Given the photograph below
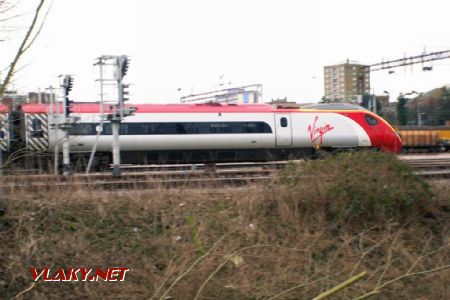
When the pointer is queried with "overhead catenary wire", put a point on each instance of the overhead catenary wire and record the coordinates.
(406, 61)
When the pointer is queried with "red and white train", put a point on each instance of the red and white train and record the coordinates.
(206, 132)
(174, 133)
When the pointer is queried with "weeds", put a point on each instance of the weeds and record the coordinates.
(322, 223)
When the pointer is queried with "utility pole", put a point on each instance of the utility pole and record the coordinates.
(419, 117)
(67, 87)
(54, 113)
(402, 110)
(374, 102)
(116, 119)
(100, 62)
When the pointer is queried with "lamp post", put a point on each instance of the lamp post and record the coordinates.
(388, 95)
(418, 113)
(382, 107)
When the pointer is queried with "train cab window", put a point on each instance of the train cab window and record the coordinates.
(371, 120)
(36, 125)
(36, 129)
(283, 122)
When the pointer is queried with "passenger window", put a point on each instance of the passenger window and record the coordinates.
(283, 122)
(371, 120)
(107, 129)
(2, 134)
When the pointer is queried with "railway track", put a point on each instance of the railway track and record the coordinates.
(153, 179)
(428, 166)
(196, 176)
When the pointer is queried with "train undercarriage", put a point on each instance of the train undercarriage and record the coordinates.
(45, 161)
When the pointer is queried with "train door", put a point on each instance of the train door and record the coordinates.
(283, 130)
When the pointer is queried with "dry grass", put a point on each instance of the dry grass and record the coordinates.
(320, 224)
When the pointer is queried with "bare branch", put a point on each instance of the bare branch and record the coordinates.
(366, 252)
(378, 289)
(15, 16)
(223, 264)
(341, 286)
(40, 28)
(23, 47)
(8, 8)
(426, 255)
(302, 286)
(193, 265)
(389, 258)
(25, 291)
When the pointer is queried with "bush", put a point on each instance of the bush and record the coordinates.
(357, 189)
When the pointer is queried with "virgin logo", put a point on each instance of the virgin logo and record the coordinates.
(316, 133)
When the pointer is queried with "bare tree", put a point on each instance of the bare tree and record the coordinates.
(32, 33)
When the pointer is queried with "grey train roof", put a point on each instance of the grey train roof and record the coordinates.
(333, 106)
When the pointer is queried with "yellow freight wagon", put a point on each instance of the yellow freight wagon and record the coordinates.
(425, 137)
(444, 135)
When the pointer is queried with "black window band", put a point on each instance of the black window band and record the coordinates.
(174, 128)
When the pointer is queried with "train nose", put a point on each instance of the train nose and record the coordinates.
(393, 142)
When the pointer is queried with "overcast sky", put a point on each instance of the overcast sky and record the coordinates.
(281, 44)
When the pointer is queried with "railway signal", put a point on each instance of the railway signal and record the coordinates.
(125, 92)
(68, 83)
(67, 86)
(123, 64)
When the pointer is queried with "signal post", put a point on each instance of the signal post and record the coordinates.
(67, 87)
(121, 65)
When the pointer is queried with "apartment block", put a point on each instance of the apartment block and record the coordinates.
(346, 82)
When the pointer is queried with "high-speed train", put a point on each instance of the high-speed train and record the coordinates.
(174, 133)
